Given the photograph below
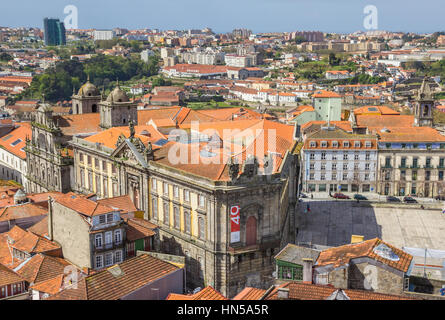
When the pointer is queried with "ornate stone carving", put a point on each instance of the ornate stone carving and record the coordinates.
(233, 168)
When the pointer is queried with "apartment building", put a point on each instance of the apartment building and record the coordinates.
(335, 160)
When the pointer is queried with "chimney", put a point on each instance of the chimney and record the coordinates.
(50, 218)
(307, 270)
(283, 293)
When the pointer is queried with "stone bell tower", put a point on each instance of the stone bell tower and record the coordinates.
(424, 106)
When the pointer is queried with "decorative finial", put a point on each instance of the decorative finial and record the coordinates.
(132, 131)
(117, 79)
(88, 77)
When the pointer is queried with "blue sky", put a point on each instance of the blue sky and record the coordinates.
(224, 15)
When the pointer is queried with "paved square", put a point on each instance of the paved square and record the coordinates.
(331, 223)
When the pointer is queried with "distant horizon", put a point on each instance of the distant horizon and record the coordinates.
(260, 16)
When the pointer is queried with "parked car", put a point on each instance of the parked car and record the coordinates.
(341, 196)
(392, 199)
(359, 197)
(409, 200)
(302, 195)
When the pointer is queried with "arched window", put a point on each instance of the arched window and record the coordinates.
(251, 227)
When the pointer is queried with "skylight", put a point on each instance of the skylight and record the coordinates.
(16, 142)
(7, 137)
(384, 251)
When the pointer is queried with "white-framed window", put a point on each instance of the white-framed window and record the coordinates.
(98, 240)
(176, 192)
(118, 256)
(109, 217)
(154, 184)
(334, 166)
(201, 201)
(366, 176)
(154, 203)
(368, 144)
(345, 156)
(108, 237)
(186, 195)
(334, 155)
(367, 166)
(357, 144)
(356, 156)
(312, 144)
(166, 213)
(108, 259)
(117, 236)
(311, 176)
(367, 156)
(345, 176)
(334, 176)
(323, 166)
(323, 156)
(355, 166)
(335, 144)
(312, 156)
(324, 144)
(177, 217)
(187, 217)
(345, 166)
(102, 218)
(201, 228)
(345, 144)
(99, 261)
(322, 176)
(311, 166)
(165, 188)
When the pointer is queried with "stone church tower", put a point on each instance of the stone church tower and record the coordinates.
(424, 106)
(87, 99)
(117, 110)
(48, 162)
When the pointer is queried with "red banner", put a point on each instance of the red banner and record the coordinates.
(235, 224)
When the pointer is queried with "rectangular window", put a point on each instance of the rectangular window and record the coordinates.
(109, 217)
(345, 176)
(322, 176)
(99, 262)
(356, 156)
(334, 176)
(334, 166)
(115, 191)
(440, 175)
(311, 176)
(357, 144)
(427, 175)
(201, 201)
(108, 259)
(324, 144)
(90, 181)
(312, 156)
(335, 144)
(367, 156)
(102, 219)
(177, 216)
(105, 183)
(104, 166)
(154, 208)
(345, 144)
(414, 175)
(311, 166)
(154, 184)
(415, 162)
(441, 162)
(345, 156)
(323, 166)
(108, 238)
(186, 195)
(97, 184)
(96, 163)
(201, 227)
(113, 169)
(176, 192)
(89, 160)
(334, 155)
(118, 236)
(323, 156)
(165, 188)
(345, 166)
(118, 256)
(166, 213)
(82, 178)
(366, 176)
(312, 144)
(368, 144)
(367, 165)
(187, 221)
(98, 240)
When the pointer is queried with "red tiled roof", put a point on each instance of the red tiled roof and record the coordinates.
(341, 255)
(250, 294)
(84, 206)
(208, 293)
(7, 276)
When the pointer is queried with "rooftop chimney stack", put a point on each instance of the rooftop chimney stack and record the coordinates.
(307, 270)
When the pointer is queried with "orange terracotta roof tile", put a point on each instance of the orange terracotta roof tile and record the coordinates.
(103, 285)
(325, 94)
(21, 211)
(208, 293)
(341, 255)
(42, 267)
(50, 286)
(7, 276)
(388, 121)
(307, 291)
(250, 294)
(84, 206)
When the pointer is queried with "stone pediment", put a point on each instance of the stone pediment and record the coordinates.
(131, 150)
